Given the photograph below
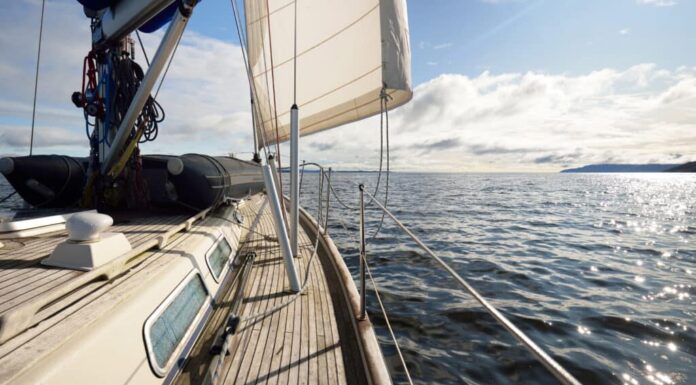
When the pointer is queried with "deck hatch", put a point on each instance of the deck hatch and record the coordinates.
(173, 322)
(218, 256)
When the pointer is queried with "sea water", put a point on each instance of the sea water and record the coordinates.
(598, 269)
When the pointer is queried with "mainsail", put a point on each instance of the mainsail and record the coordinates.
(344, 56)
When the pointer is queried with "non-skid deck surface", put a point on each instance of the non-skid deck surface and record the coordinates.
(302, 343)
(23, 278)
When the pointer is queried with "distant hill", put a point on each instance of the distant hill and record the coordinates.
(686, 167)
(607, 167)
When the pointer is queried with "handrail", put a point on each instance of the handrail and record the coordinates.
(552, 365)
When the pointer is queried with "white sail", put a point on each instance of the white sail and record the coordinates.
(348, 52)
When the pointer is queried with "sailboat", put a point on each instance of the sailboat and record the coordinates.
(136, 269)
(198, 269)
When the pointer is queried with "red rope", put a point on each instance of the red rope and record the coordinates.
(89, 80)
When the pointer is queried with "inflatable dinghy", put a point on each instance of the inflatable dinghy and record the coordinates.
(193, 180)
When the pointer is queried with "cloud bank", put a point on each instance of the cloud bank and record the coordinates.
(536, 121)
(658, 3)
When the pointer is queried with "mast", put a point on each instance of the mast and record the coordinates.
(294, 177)
(294, 148)
(167, 46)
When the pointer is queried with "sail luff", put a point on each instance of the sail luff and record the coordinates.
(349, 54)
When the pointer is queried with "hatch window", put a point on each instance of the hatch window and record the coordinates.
(218, 256)
(173, 322)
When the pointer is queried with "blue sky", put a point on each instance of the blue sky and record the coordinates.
(499, 85)
(557, 36)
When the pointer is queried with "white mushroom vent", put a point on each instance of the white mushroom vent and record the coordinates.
(88, 246)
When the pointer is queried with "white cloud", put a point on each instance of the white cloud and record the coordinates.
(443, 45)
(15, 136)
(658, 3)
(624, 31)
(532, 121)
(509, 121)
(205, 94)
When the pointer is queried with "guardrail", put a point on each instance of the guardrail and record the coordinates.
(552, 365)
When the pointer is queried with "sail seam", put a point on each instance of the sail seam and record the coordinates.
(330, 92)
(308, 127)
(356, 21)
(268, 13)
(346, 111)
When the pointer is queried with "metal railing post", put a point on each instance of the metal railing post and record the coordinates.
(281, 231)
(363, 311)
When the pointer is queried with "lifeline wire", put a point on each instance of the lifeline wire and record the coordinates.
(552, 365)
(386, 320)
(306, 276)
(36, 78)
(383, 114)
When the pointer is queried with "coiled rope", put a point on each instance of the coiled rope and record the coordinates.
(127, 77)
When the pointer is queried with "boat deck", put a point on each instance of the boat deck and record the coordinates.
(300, 343)
(23, 278)
(311, 340)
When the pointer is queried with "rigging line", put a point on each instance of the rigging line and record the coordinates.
(268, 94)
(265, 237)
(142, 47)
(10, 195)
(384, 113)
(386, 320)
(294, 62)
(381, 146)
(549, 363)
(36, 78)
(386, 187)
(252, 89)
(169, 63)
(268, 91)
(275, 102)
(307, 271)
(333, 190)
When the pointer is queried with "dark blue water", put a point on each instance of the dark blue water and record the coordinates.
(598, 269)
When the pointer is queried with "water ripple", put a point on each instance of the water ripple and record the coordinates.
(598, 269)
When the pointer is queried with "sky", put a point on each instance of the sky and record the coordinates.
(499, 86)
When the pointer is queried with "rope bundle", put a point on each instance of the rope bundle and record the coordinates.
(127, 75)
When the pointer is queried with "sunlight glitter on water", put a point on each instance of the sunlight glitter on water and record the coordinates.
(598, 269)
(598, 257)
